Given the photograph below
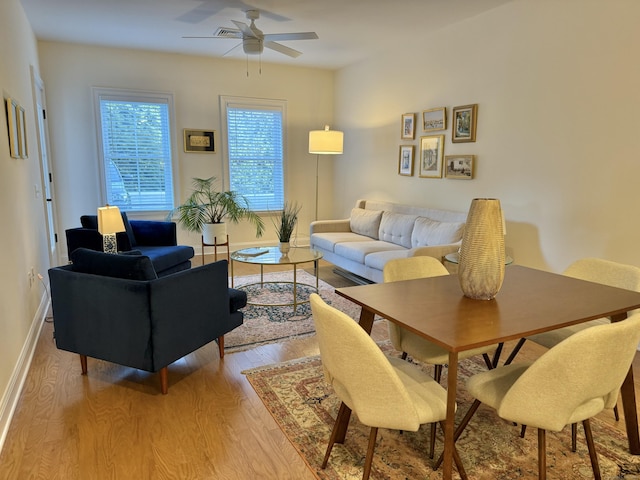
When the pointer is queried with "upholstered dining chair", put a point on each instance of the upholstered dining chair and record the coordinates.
(570, 383)
(384, 392)
(408, 342)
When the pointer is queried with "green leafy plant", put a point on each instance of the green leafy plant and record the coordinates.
(208, 205)
(285, 223)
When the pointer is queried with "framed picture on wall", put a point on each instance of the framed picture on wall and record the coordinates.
(22, 133)
(431, 151)
(463, 123)
(459, 166)
(434, 119)
(11, 107)
(199, 141)
(408, 126)
(405, 161)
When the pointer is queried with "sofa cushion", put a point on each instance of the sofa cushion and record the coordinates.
(365, 222)
(328, 241)
(129, 230)
(377, 260)
(396, 228)
(432, 232)
(165, 257)
(130, 267)
(357, 251)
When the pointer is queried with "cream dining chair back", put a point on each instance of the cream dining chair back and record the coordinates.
(570, 383)
(384, 392)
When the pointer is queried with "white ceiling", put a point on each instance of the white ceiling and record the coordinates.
(349, 30)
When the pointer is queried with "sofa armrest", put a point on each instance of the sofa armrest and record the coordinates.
(436, 251)
(154, 233)
(325, 226)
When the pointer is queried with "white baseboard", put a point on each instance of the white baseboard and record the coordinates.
(9, 401)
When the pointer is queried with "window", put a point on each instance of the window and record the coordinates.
(255, 150)
(134, 136)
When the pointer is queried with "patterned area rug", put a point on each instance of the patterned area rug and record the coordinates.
(297, 396)
(268, 324)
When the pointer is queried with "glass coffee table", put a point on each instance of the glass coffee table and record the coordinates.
(272, 256)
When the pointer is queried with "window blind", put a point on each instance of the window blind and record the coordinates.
(136, 153)
(255, 150)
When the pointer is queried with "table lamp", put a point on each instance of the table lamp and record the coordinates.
(324, 142)
(109, 223)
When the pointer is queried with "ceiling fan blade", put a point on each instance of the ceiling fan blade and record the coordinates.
(244, 28)
(278, 47)
(290, 36)
(231, 49)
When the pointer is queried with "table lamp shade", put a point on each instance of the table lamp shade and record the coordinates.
(325, 142)
(110, 220)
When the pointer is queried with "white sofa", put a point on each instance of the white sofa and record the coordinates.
(377, 232)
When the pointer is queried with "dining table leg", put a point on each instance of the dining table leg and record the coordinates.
(628, 394)
(452, 385)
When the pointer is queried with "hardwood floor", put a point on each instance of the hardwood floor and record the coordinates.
(114, 423)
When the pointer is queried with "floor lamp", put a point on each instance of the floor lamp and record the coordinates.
(324, 142)
(109, 223)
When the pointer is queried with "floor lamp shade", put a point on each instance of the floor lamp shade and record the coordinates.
(109, 223)
(324, 142)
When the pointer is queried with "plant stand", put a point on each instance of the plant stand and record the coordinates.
(215, 246)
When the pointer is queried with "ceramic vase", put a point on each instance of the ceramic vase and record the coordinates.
(284, 247)
(482, 255)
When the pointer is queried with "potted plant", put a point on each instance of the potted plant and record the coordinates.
(285, 223)
(206, 209)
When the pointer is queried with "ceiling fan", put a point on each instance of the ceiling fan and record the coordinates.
(254, 41)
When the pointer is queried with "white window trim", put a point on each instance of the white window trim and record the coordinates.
(135, 95)
(252, 102)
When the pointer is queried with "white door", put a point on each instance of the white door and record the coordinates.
(45, 166)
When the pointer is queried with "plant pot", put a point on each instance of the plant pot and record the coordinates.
(284, 247)
(213, 233)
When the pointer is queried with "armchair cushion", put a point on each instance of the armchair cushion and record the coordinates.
(131, 267)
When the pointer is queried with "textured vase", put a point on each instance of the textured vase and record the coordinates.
(481, 261)
(285, 247)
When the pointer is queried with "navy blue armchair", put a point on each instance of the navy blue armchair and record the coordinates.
(155, 239)
(115, 308)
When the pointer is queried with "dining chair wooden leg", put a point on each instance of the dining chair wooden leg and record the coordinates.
(404, 355)
(616, 412)
(574, 437)
(542, 454)
(523, 430)
(496, 355)
(487, 361)
(83, 364)
(370, 449)
(593, 456)
(220, 341)
(335, 432)
(437, 373)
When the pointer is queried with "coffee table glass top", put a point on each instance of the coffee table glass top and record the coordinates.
(273, 256)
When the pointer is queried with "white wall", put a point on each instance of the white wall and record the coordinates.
(557, 141)
(70, 71)
(23, 243)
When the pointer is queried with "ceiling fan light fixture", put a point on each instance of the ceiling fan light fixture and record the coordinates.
(252, 46)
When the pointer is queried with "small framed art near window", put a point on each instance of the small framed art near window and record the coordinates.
(408, 126)
(405, 161)
(459, 166)
(434, 119)
(199, 141)
(431, 151)
(463, 123)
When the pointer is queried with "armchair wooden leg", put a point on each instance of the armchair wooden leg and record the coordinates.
(164, 380)
(221, 345)
(593, 456)
(83, 364)
(370, 449)
(542, 454)
(338, 431)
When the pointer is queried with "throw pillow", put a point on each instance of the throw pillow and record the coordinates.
(130, 267)
(365, 222)
(432, 232)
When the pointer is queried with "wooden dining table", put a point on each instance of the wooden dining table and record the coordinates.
(530, 301)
